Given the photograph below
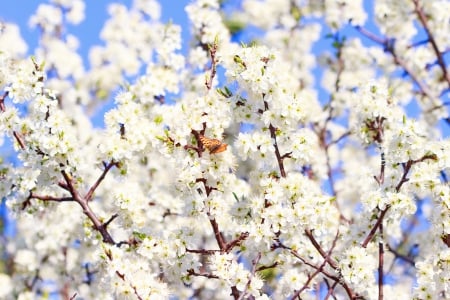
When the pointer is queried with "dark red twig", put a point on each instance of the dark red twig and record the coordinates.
(207, 275)
(91, 191)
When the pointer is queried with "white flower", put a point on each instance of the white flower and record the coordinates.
(26, 260)
(292, 280)
(11, 41)
(6, 284)
(357, 266)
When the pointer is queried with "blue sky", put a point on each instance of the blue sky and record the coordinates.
(88, 31)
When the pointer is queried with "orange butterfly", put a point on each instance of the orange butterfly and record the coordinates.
(213, 145)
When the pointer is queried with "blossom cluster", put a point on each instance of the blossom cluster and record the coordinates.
(253, 165)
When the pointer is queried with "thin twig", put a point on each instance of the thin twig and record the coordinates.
(388, 46)
(91, 191)
(2, 101)
(212, 52)
(218, 235)
(316, 245)
(347, 289)
(252, 274)
(311, 277)
(86, 209)
(440, 59)
(207, 275)
(229, 246)
(380, 264)
(375, 227)
(273, 135)
(50, 198)
(202, 251)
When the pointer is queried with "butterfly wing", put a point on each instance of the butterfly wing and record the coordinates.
(219, 148)
(213, 145)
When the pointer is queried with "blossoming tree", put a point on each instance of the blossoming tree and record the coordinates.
(269, 169)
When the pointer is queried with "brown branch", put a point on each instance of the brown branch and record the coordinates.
(322, 266)
(50, 198)
(110, 220)
(19, 140)
(252, 274)
(406, 168)
(287, 155)
(424, 89)
(122, 277)
(370, 35)
(91, 191)
(273, 135)
(330, 290)
(425, 157)
(63, 185)
(212, 52)
(380, 177)
(375, 227)
(202, 251)
(347, 289)
(218, 235)
(380, 264)
(2, 101)
(68, 185)
(316, 245)
(310, 278)
(229, 246)
(262, 268)
(440, 59)
(344, 135)
(199, 149)
(101, 228)
(235, 292)
(207, 275)
(387, 44)
(446, 239)
(322, 132)
(397, 254)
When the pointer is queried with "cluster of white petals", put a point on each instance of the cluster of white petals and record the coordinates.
(290, 153)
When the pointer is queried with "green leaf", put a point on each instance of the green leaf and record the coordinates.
(139, 235)
(234, 26)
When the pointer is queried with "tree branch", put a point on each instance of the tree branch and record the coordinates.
(380, 264)
(273, 135)
(91, 191)
(50, 198)
(423, 20)
(388, 46)
(212, 52)
(101, 228)
(252, 274)
(375, 227)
